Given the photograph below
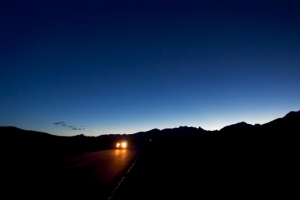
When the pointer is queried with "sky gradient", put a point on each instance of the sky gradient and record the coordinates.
(114, 67)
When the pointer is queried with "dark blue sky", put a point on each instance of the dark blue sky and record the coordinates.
(129, 66)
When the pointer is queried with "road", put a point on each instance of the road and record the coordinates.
(93, 175)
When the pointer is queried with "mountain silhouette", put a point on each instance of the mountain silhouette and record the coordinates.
(237, 126)
(266, 154)
(43, 143)
(293, 114)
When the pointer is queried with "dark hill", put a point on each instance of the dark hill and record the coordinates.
(11, 132)
(45, 146)
(180, 132)
(266, 154)
(38, 143)
(237, 127)
(293, 114)
(289, 122)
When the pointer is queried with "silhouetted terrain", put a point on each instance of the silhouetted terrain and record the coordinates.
(34, 142)
(233, 157)
(237, 162)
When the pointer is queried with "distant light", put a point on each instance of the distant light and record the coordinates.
(124, 144)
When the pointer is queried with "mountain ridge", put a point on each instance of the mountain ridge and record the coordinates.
(241, 135)
(232, 127)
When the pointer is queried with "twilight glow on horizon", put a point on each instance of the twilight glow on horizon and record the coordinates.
(115, 67)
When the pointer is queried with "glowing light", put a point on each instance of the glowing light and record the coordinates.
(122, 144)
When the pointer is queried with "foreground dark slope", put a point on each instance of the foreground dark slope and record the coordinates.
(237, 162)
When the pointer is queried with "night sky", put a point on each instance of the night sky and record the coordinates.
(114, 67)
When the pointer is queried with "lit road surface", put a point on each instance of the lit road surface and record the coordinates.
(93, 175)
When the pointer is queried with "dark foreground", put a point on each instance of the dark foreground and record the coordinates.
(195, 167)
(90, 175)
(238, 161)
(191, 169)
